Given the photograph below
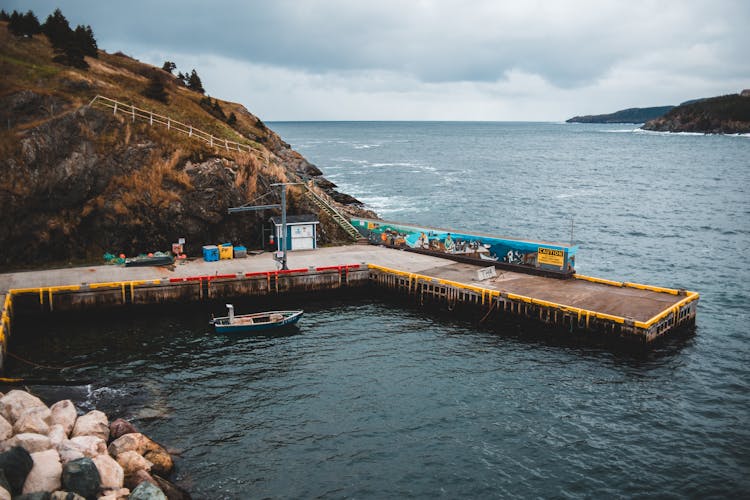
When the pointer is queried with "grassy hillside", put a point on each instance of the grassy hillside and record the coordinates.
(78, 180)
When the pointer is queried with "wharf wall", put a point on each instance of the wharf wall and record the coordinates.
(488, 303)
(482, 303)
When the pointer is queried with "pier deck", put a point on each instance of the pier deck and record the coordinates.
(589, 304)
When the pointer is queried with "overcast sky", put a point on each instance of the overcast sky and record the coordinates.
(432, 59)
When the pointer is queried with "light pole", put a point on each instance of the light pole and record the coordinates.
(282, 206)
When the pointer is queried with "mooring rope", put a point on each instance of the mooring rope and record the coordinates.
(46, 367)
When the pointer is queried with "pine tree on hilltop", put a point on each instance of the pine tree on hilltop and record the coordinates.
(57, 29)
(169, 67)
(194, 83)
(84, 38)
(4, 16)
(70, 46)
(24, 24)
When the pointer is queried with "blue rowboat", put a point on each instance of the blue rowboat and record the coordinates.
(254, 322)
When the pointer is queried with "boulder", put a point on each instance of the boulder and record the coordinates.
(33, 420)
(110, 472)
(65, 495)
(147, 491)
(64, 413)
(16, 463)
(82, 477)
(134, 480)
(131, 462)
(29, 441)
(6, 429)
(161, 460)
(94, 423)
(45, 474)
(13, 404)
(81, 446)
(171, 490)
(56, 435)
(118, 494)
(132, 442)
(39, 495)
(121, 427)
(4, 486)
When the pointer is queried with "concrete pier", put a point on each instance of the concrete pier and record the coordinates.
(624, 310)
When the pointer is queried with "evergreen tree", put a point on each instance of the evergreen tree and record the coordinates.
(169, 67)
(156, 89)
(194, 83)
(84, 38)
(57, 29)
(182, 79)
(232, 118)
(24, 24)
(4, 16)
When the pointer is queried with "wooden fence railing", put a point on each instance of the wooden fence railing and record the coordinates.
(189, 130)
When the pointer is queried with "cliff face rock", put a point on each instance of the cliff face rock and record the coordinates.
(729, 114)
(79, 180)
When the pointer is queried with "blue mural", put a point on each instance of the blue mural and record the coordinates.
(542, 255)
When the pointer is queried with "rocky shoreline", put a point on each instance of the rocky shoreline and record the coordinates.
(55, 453)
(728, 114)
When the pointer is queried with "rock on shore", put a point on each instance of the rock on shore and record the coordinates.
(53, 452)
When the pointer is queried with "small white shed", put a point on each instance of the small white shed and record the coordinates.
(302, 232)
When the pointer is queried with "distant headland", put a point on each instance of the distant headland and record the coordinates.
(630, 115)
(727, 114)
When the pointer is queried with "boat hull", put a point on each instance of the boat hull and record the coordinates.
(251, 323)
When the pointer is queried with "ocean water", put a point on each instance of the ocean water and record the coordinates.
(367, 399)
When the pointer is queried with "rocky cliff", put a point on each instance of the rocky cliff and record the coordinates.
(79, 180)
(728, 114)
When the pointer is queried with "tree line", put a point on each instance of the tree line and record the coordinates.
(70, 45)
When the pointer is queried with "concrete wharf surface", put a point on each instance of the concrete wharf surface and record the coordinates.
(617, 310)
(638, 304)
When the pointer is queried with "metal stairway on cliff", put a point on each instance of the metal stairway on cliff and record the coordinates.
(323, 204)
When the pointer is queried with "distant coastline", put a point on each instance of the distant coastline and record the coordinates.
(630, 115)
(727, 114)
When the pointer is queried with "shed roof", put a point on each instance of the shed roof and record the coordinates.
(296, 219)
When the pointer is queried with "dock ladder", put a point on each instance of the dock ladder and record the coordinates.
(324, 205)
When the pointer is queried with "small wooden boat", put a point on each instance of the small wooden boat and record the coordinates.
(254, 322)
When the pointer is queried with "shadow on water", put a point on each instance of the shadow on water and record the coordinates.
(530, 333)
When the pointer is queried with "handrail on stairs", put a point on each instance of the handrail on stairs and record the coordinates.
(342, 221)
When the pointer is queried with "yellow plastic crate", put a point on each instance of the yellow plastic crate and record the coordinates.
(225, 252)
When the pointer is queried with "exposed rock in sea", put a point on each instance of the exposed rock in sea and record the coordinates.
(76, 463)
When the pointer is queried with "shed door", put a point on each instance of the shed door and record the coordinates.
(303, 237)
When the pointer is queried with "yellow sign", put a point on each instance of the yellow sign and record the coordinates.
(550, 256)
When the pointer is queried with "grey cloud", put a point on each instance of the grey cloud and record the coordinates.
(569, 44)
